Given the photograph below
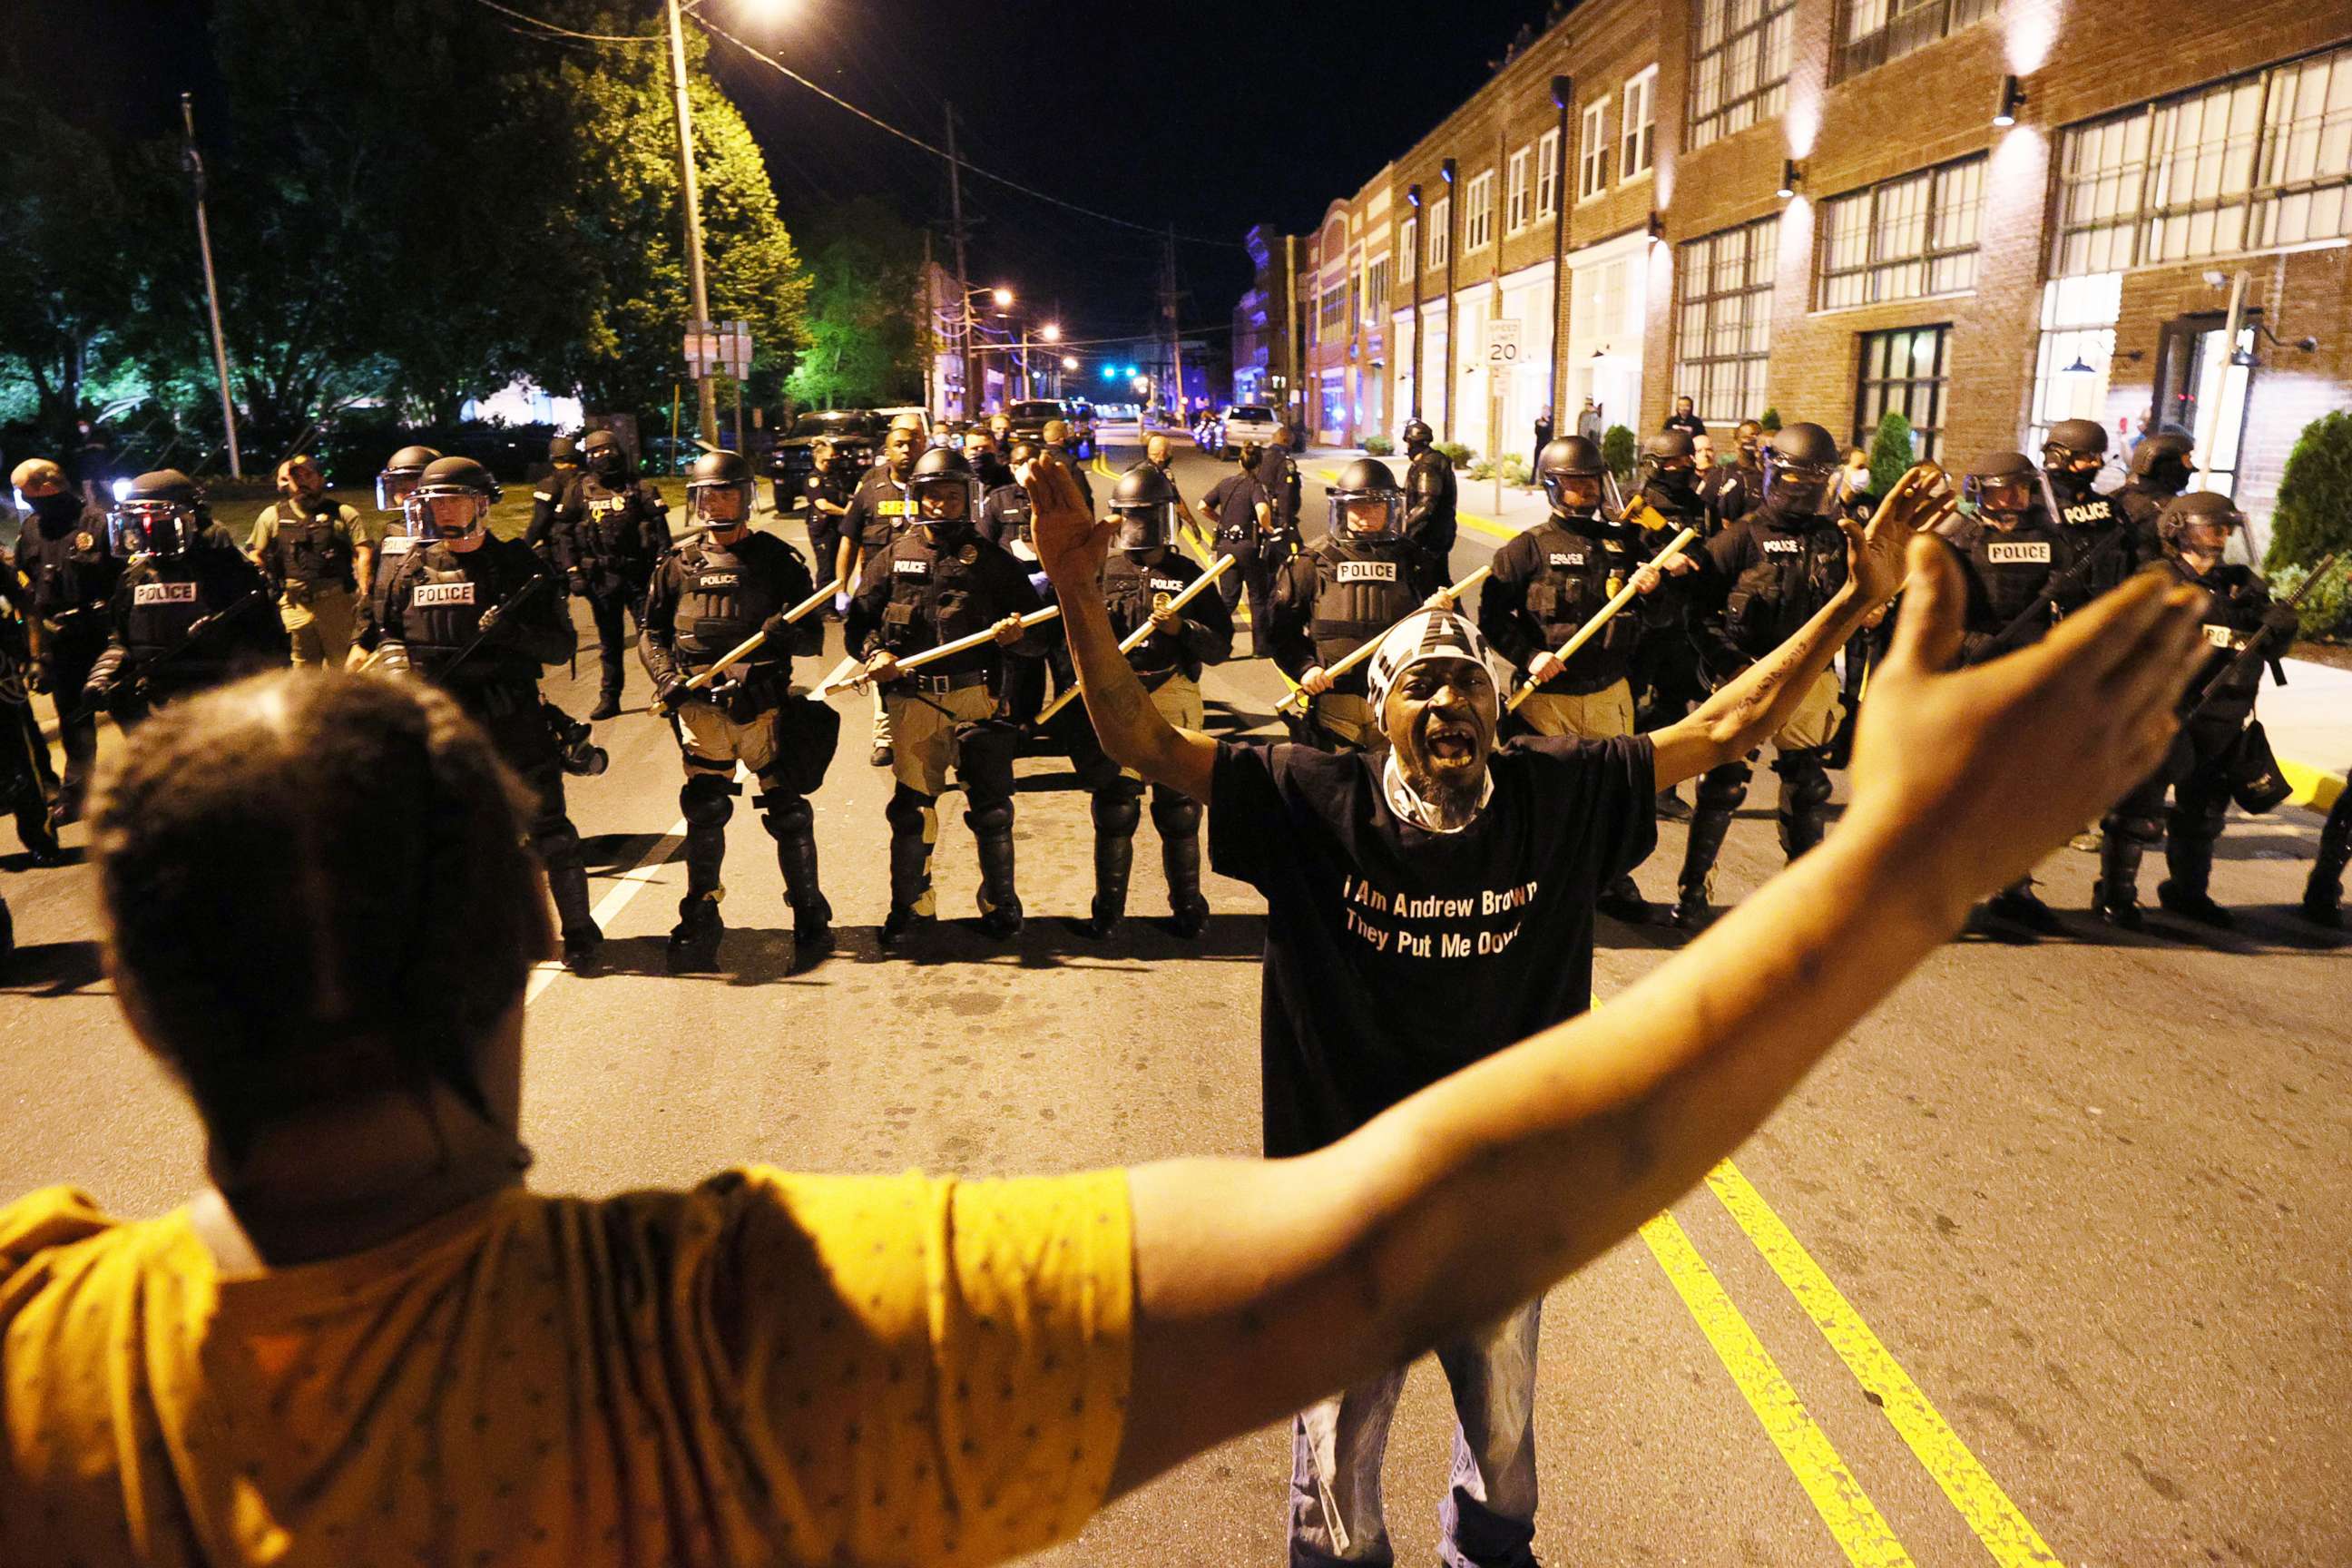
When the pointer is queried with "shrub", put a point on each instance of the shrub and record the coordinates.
(1456, 453)
(2326, 615)
(1514, 469)
(1621, 452)
(1771, 420)
(1890, 451)
(1378, 446)
(2314, 515)
(1481, 471)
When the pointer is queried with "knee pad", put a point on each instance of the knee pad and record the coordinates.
(783, 813)
(2141, 828)
(992, 819)
(1175, 813)
(2198, 819)
(1724, 788)
(1804, 782)
(708, 800)
(910, 812)
(1117, 809)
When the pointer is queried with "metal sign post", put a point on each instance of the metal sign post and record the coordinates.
(1502, 357)
(721, 347)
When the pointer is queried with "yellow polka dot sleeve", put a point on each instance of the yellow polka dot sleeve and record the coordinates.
(932, 1370)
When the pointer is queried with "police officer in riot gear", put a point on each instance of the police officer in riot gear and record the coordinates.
(2159, 470)
(479, 617)
(189, 611)
(709, 595)
(1343, 591)
(2009, 554)
(25, 779)
(1761, 579)
(881, 508)
(1004, 518)
(933, 584)
(64, 574)
(1546, 584)
(1666, 680)
(1142, 578)
(549, 497)
(609, 528)
(393, 483)
(1237, 509)
(1430, 496)
(2215, 755)
(317, 556)
(2072, 457)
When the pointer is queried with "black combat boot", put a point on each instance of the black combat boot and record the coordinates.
(2021, 905)
(608, 706)
(1180, 858)
(910, 865)
(568, 884)
(2190, 861)
(694, 940)
(1114, 862)
(1622, 900)
(36, 829)
(1000, 906)
(1708, 829)
(812, 915)
(2114, 897)
(2323, 896)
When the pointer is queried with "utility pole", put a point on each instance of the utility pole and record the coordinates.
(698, 292)
(1412, 196)
(930, 346)
(1563, 93)
(1453, 231)
(1175, 334)
(196, 168)
(973, 393)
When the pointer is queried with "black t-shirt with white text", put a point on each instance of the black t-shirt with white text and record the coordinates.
(1395, 956)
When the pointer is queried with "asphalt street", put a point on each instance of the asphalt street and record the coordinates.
(2048, 1263)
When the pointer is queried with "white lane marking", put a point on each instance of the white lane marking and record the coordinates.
(615, 901)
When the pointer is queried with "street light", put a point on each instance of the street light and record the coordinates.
(1051, 332)
(1002, 295)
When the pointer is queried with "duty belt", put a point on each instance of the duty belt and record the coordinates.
(951, 682)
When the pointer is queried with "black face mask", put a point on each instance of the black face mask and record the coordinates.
(2069, 483)
(947, 532)
(608, 464)
(62, 507)
(1675, 481)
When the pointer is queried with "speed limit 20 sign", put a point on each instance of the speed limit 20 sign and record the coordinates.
(1502, 343)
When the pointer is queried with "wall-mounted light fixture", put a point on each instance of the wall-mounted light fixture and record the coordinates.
(1447, 168)
(1657, 225)
(2012, 98)
(1791, 175)
(1412, 196)
(1563, 92)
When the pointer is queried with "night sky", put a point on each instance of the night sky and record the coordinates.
(1210, 117)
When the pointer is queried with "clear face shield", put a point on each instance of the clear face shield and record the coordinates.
(2008, 498)
(1577, 495)
(150, 527)
(446, 511)
(1805, 489)
(392, 486)
(943, 504)
(1366, 514)
(1150, 526)
(723, 506)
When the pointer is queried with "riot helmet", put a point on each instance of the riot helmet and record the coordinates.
(1366, 500)
(400, 471)
(945, 495)
(1672, 462)
(563, 450)
(1804, 474)
(2199, 523)
(2000, 487)
(160, 514)
(1144, 502)
(452, 500)
(1569, 469)
(2072, 442)
(605, 456)
(715, 476)
(2161, 463)
(1417, 436)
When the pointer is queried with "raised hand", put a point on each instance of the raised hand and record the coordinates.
(1985, 770)
(1070, 544)
(1921, 499)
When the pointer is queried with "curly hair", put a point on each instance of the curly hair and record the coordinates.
(317, 888)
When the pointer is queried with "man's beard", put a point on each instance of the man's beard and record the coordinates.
(1452, 797)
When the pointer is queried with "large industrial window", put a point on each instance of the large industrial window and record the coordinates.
(1723, 318)
(1740, 65)
(2255, 163)
(1873, 32)
(1901, 238)
(1906, 372)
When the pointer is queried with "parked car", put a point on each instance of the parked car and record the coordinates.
(1030, 416)
(930, 430)
(1243, 424)
(856, 437)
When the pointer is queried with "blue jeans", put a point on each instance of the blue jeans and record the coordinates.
(1489, 1517)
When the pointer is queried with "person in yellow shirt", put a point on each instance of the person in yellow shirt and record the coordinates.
(368, 1341)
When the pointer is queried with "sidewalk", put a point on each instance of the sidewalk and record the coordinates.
(2309, 718)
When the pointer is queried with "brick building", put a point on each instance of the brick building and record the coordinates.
(1987, 215)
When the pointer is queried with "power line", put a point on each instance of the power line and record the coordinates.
(715, 30)
(566, 31)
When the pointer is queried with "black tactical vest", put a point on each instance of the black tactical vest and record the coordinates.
(389, 557)
(442, 595)
(2011, 568)
(1362, 587)
(310, 550)
(1578, 571)
(167, 594)
(2092, 518)
(723, 597)
(1011, 503)
(609, 528)
(1131, 590)
(1790, 574)
(2224, 688)
(67, 564)
(935, 595)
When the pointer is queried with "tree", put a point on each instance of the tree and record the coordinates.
(1890, 451)
(1770, 421)
(2313, 517)
(1621, 452)
(866, 318)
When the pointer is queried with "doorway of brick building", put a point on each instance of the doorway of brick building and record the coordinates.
(2201, 392)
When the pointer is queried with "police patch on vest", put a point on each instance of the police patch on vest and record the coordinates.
(718, 580)
(1365, 571)
(164, 594)
(2018, 553)
(1781, 546)
(1562, 558)
(2222, 636)
(2089, 513)
(1169, 586)
(911, 568)
(397, 543)
(444, 593)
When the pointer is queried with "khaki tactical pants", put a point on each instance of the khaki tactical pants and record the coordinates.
(715, 743)
(1349, 720)
(924, 726)
(1592, 716)
(1816, 718)
(320, 622)
(1178, 701)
